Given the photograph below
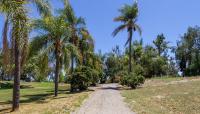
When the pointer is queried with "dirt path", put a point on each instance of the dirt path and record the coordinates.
(105, 100)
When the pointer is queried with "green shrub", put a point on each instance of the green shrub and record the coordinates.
(123, 77)
(94, 77)
(132, 80)
(138, 70)
(135, 80)
(79, 81)
(83, 77)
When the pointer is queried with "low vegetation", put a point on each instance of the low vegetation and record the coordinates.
(38, 98)
(165, 96)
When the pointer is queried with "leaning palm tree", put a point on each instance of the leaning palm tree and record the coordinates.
(128, 17)
(17, 18)
(57, 33)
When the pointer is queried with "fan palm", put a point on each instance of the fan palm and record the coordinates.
(16, 13)
(128, 17)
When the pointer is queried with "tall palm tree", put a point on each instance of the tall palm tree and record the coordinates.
(128, 17)
(16, 13)
(86, 45)
(76, 24)
(57, 34)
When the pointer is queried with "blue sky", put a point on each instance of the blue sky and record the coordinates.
(171, 17)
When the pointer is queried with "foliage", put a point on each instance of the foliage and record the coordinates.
(113, 64)
(132, 80)
(187, 52)
(128, 16)
(80, 79)
(160, 44)
(83, 77)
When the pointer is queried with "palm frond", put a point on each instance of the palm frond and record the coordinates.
(127, 42)
(43, 7)
(81, 22)
(137, 28)
(120, 18)
(46, 50)
(36, 44)
(118, 29)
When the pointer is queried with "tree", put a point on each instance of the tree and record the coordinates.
(129, 14)
(86, 45)
(16, 14)
(187, 52)
(36, 66)
(57, 35)
(114, 64)
(161, 44)
(76, 24)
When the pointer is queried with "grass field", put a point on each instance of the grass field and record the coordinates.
(166, 96)
(38, 98)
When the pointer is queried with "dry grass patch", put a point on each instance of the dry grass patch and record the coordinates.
(170, 96)
(40, 100)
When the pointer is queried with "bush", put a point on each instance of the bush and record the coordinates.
(132, 80)
(135, 80)
(138, 70)
(79, 81)
(83, 77)
(123, 77)
(94, 77)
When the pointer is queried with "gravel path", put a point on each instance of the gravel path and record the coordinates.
(105, 100)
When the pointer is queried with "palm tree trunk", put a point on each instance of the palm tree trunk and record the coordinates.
(72, 63)
(130, 50)
(57, 54)
(16, 86)
(5, 50)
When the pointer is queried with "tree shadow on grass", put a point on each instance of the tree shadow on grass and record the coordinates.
(37, 98)
(5, 110)
(9, 85)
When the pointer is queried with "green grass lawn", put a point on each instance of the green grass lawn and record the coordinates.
(38, 98)
(165, 96)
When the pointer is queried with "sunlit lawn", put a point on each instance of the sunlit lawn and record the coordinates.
(38, 98)
(166, 96)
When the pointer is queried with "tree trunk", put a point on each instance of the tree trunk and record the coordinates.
(72, 63)
(130, 49)
(159, 52)
(16, 86)
(57, 54)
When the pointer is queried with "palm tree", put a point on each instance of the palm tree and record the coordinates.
(128, 17)
(86, 45)
(16, 13)
(76, 25)
(57, 34)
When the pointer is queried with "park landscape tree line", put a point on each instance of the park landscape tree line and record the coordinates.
(64, 50)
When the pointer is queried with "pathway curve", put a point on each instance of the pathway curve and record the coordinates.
(105, 100)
